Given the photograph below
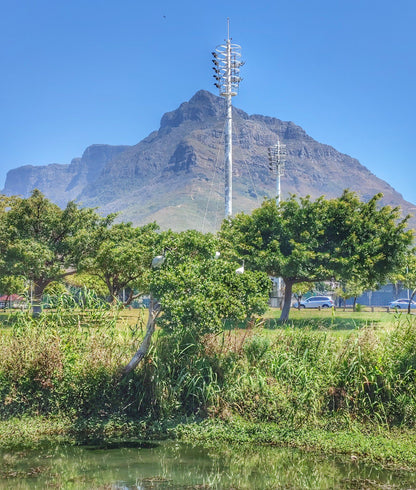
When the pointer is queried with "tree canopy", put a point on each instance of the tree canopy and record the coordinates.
(197, 292)
(407, 275)
(41, 242)
(305, 240)
(121, 257)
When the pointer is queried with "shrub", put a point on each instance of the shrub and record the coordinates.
(67, 362)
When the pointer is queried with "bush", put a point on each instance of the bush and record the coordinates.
(68, 362)
(65, 360)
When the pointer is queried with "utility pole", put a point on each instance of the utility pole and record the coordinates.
(227, 63)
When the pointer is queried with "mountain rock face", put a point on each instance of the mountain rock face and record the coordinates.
(59, 182)
(176, 175)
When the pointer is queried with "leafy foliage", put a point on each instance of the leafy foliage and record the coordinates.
(121, 257)
(199, 292)
(352, 289)
(302, 240)
(407, 275)
(41, 242)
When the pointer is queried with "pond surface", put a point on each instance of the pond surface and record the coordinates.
(173, 465)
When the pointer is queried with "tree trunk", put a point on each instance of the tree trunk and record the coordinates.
(38, 289)
(354, 304)
(129, 299)
(154, 310)
(410, 301)
(111, 290)
(284, 317)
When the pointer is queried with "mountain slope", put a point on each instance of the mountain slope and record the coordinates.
(175, 175)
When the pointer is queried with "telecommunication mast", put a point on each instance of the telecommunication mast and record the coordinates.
(227, 63)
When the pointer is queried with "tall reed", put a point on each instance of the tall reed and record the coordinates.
(68, 361)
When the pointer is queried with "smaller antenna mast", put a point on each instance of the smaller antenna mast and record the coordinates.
(277, 154)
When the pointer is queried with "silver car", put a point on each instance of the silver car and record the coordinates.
(317, 301)
(402, 304)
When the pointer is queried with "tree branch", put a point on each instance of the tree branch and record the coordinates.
(132, 297)
(69, 273)
(154, 311)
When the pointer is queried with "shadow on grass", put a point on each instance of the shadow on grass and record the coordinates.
(242, 325)
(325, 323)
(321, 323)
(6, 319)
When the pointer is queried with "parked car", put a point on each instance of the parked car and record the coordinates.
(316, 302)
(402, 304)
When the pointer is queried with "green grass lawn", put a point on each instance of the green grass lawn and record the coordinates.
(333, 319)
(127, 317)
(327, 319)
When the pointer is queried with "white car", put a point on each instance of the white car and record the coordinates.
(402, 304)
(317, 301)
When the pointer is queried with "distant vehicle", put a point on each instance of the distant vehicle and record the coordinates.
(402, 304)
(316, 302)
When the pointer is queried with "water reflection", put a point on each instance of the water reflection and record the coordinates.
(172, 465)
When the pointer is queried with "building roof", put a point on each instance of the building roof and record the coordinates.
(12, 297)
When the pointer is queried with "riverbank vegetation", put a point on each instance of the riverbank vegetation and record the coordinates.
(293, 385)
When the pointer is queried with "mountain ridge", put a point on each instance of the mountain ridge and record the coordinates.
(174, 175)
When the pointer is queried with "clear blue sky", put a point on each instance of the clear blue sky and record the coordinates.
(74, 73)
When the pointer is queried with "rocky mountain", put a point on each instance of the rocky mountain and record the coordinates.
(59, 182)
(175, 176)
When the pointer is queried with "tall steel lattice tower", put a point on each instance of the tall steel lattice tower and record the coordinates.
(227, 63)
(277, 154)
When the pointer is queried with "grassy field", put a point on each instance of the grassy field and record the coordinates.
(334, 319)
(338, 319)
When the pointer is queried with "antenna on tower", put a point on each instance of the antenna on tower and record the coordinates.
(227, 63)
(277, 155)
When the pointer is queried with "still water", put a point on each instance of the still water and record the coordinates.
(173, 465)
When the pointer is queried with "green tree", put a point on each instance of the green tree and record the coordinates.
(10, 284)
(121, 258)
(304, 240)
(85, 280)
(10, 280)
(198, 292)
(299, 289)
(43, 243)
(407, 276)
(352, 289)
